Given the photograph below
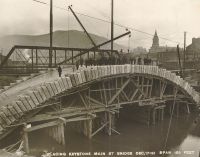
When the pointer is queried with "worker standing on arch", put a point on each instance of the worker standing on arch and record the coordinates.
(59, 71)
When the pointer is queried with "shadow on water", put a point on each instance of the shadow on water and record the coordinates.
(184, 135)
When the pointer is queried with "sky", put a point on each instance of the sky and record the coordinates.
(169, 17)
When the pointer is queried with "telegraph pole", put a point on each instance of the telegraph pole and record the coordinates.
(51, 33)
(179, 61)
(184, 53)
(112, 25)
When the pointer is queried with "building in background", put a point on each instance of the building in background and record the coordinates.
(193, 50)
(157, 48)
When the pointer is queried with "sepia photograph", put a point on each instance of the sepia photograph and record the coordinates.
(99, 78)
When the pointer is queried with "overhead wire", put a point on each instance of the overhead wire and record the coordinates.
(116, 24)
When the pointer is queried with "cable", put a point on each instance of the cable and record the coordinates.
(40, 2)
(130, 28)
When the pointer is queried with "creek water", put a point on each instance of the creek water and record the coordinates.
(183, 139)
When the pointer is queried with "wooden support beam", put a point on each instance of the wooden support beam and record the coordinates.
(26, 142)
(147, 88)
(118, 92)
(99, 129)
(134, 94)
(83, 100)
(125, 95)
(150, 91)
(62, 132)
(164, 85)
(188, 108)
(115, 131)
(101, 94)
(153, 116)
(109, 123)
(177, 109)
(142, 85)
(88, 128)
(109, 92)
(41, 126)
(105, 94)
(95, 101)
(141, 91)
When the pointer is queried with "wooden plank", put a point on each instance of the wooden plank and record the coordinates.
(30, 101)
(3, 122)
(21, 106)
(17, 109)
(50, 90)
(13, 111)
(33, 97)
(25, 102)
(57, 84)
(65, 83)
(69, 82)
(8, 114)
(42, 94)
(46, 92)
(61, 84)
(54, 89)
(4, 118)
(41, 126)
(38, 96)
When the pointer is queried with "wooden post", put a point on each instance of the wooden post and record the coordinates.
(153, 116)
(32, 59)
(188, 109)
(177, 109)
(57, 133)
(88, 128)
(55, 57)
(26, 142)
(162, 114)
(109, 124)
(94, 55)
(36, 56)
(65, 55)
(72, 57)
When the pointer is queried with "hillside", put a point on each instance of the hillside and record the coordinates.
(60, 38)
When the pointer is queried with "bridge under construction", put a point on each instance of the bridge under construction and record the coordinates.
(90, 99)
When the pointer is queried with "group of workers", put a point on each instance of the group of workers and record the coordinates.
(108, 61)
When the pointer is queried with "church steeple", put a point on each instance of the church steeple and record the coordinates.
(155, 40)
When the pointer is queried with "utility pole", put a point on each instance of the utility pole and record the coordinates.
(179, 61)
(51, 33)
(184, 54)
(112, 25)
